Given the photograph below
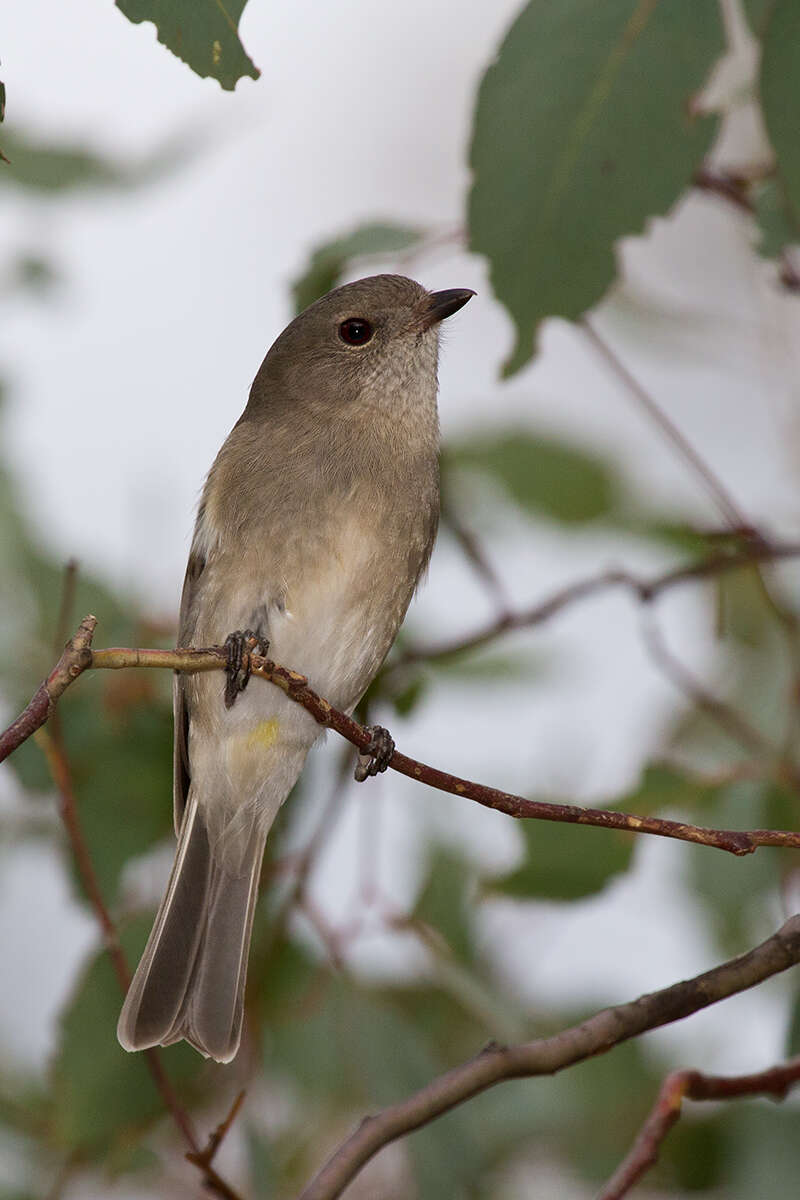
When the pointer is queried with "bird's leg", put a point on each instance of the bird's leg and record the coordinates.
(238, 648)
(375, 757)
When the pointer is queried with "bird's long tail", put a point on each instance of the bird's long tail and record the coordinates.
(190, 980)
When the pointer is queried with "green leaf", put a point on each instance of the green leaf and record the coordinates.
(757, 13)
(49, 167)
(329, 261)
(663, 788)
(351, 1048)
(443, 904)
(566, 862)
(202, 33)
(776, 221)
(120, 748)
(721, 881)
(543, 476)
(780, 101)
(583, 130)
(103, 1096)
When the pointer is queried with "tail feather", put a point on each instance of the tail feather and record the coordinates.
(191, 977)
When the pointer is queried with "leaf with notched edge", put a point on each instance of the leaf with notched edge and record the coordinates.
(329, 261)
(202, 33)
(582, 131)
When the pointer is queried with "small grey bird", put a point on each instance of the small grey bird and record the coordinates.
(317, 519)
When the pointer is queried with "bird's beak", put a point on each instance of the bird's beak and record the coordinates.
(444, 304)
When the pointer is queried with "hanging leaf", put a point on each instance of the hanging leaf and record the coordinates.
(583, 130)
(566, 862)
(202, 33)
(542, 475)
(780, 98)
(104, 1096)
(329, 261)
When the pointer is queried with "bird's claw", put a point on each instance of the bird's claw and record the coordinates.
(238, 648)
(376, 756)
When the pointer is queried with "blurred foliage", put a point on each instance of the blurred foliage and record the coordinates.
(583, 131)
(586, 114)
(53, 167)
(777, 223)
(330, 261)
(780, 70)
(561, 863)
(541, 475)
(202, 33)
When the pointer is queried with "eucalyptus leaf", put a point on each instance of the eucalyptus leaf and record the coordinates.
(780, 98)
(776, 221)
(541, 475)
(329, 261)
(583, 130)
(566, 862)
(104, 1097)
(202, 33)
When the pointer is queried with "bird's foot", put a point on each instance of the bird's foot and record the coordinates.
(377, 755)
(238, 648)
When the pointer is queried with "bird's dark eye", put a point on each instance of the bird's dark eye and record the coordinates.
(355, 331)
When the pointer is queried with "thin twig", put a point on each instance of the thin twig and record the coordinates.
(204, 1158)
(296, 688)
(722, 498)
(51, 741)
(692, 1085)
(643, 590)
(549, 1055)
(725, 715)
(64, 619)
(476, 556)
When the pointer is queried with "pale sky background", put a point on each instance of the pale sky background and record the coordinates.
(126, 381)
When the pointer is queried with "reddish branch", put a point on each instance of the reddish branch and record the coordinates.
(75, 659)
(549, 1055)
(644, 590)
(296, 688)
(692, 1085)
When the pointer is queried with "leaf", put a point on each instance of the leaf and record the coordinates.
(757, 13)
(49, 167)
(664, 788)
(780, 102)
(776, 222)
(566, 862)
(443, 905)
(582, 131)
(103, 1096)
(352, 1047)
(202, 33)
(329, 261)
(722, 881)
(542, 475)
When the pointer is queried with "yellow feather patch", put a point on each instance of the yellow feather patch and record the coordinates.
(264, 736)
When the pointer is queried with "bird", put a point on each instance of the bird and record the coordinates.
(315, 524)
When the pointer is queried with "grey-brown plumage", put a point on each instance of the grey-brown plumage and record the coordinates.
(317, 519)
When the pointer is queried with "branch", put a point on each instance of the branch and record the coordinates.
(296, 688)
(72, 663)
(692, 1085)
(76, 658)
(722, 498)
(549, 1055)
(643, 590)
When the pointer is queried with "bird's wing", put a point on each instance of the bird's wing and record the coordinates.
(181, 777)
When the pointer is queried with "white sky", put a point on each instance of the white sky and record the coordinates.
(126, 382)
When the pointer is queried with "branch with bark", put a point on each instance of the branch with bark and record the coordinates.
(678, 1086)
(546, 1056)
(79, 657)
